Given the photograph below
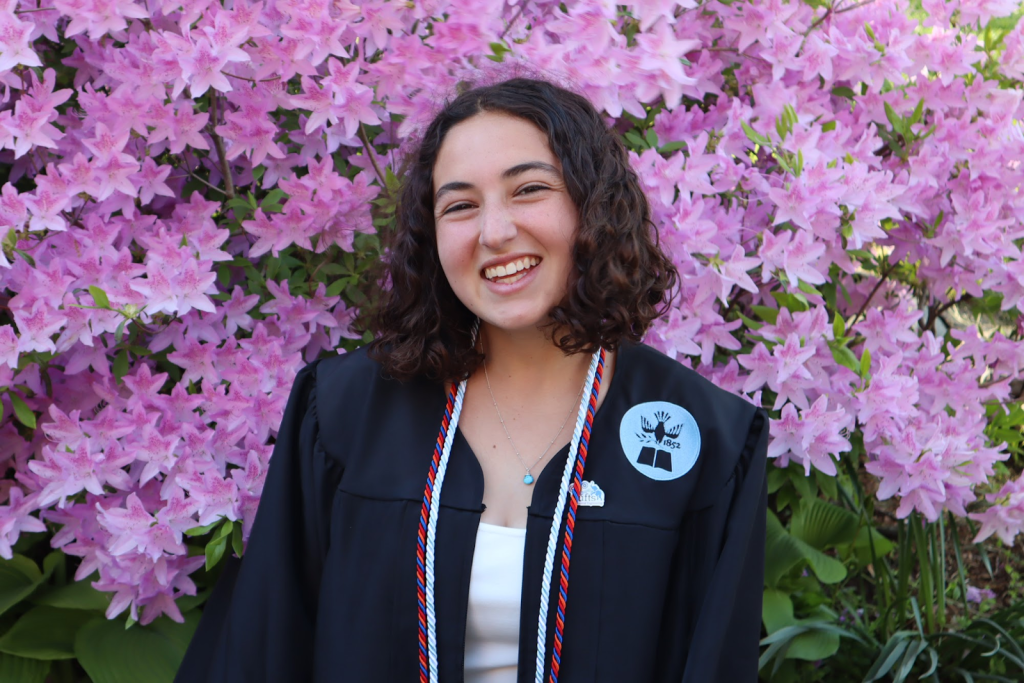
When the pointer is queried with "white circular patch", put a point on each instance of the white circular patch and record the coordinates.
(660, 439)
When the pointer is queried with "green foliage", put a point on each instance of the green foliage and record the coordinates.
(51, 624)
(109, 653)
(224, 531)
(23, 670)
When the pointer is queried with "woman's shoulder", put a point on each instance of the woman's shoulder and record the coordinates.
(652, 372)
(353, 383)
(725, 427)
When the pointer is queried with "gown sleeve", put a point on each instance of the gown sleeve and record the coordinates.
(724, 647)
(258, 625)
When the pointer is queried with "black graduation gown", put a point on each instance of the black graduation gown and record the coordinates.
(666, 577)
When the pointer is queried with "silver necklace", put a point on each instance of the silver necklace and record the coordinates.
(528, 478)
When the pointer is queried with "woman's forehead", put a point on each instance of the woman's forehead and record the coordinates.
(487, 145)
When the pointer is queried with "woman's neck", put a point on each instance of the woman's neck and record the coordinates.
(530, 359)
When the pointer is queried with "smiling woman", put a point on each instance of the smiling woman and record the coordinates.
(523, 274)
(505, 238)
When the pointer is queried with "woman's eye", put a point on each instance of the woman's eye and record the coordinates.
(456, 207)
(530, 189)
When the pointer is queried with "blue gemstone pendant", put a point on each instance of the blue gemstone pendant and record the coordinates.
(528, 479)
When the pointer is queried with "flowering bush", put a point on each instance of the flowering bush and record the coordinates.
(194, 190)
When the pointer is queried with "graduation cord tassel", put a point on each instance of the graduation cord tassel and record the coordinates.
(428, 533)
(574, 470)
(569, 489)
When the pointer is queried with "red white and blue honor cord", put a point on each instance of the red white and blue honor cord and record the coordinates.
(569, 491)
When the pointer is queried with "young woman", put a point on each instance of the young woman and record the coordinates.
(507, 485)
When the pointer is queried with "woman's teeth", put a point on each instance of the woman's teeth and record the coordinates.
(511, 272)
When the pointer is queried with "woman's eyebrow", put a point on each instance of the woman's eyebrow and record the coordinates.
(512, 172)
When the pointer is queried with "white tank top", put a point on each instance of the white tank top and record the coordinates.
(495, 587)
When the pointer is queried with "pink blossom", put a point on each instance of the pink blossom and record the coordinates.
(66, 472)
(15, 518)
(15, 46)
(1005, 518)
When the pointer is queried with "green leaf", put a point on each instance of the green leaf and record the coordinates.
(22, 411)
(813, 646)
(77, 595)
(838, 326)
(32, 262)
(754, 136)
(750, 322)
(179, 634)
(827, 484)
(889, 655)
(781, 128)
(634, 139)
(769, 315)
(843, 91)
(53, 559)
(99, 297)
(808, 639)
(828, 126)
(776, 610)
(498, 50)
(45, 632)
(866, 537)
(337, 287)
(823, 525)
(240, 205)
(805, 486)
(22, 670)
(111, 654)
(201, 530)
(844, 356)
(794, 302)
(121, 364)
(865, 364)
(652, 138)
(827, 569)
(190, 602)
(895, 120)
(909, 659)
(274, 198)
(808, 288)
(918, 113)
(214, 551)
(781, 552)
(19, 576)
(236, 538)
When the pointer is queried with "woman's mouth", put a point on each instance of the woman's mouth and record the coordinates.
(511, 272)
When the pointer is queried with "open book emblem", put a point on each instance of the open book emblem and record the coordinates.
(660, 439)
(591, 494)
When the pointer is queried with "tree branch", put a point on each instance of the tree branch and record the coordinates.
(935, 312)
(368, 148)
(878, 285)
(514, 19)
(225, 165)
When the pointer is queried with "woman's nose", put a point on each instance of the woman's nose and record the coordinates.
(496, 227)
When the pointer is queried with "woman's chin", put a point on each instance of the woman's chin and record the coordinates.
(516, 323)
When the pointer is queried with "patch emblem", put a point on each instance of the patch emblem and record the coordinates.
(660, 439)
(591, 494)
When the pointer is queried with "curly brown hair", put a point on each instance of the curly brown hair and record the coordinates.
(620, 281)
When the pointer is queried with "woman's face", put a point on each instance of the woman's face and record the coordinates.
(505, 222)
